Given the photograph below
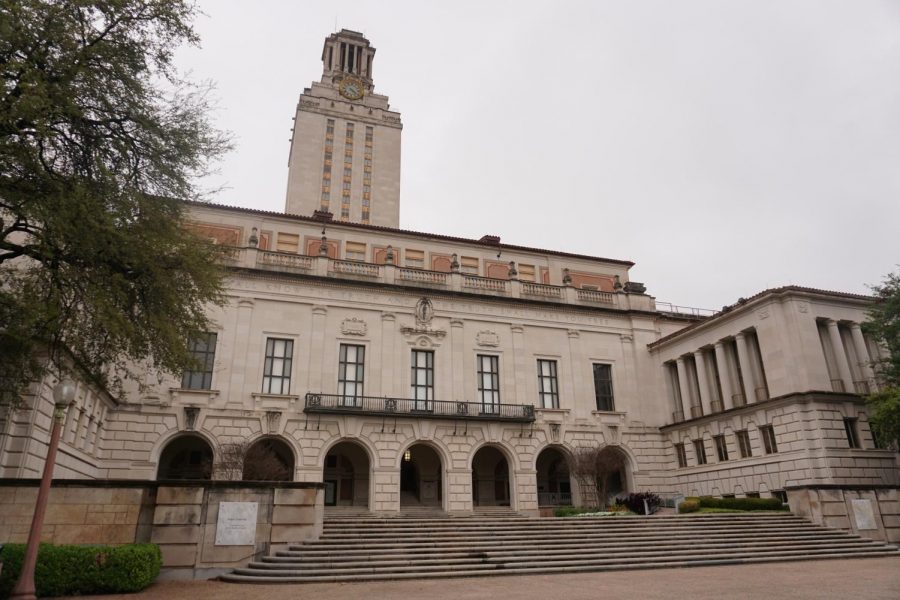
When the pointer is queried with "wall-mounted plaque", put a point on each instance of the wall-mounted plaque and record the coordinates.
(236, 525)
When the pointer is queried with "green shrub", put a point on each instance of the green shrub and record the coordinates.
(571, 511)
(77, 570)
(742, 503)
(688, 506)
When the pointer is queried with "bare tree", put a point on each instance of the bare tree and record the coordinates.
(239, 461)
(593, 467)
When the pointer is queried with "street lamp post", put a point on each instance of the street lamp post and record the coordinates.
(63, 395)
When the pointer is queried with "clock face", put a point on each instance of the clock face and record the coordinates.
(352, 88)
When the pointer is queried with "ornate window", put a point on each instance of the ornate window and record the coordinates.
(277, 369)
(548, 384)
(203, 350)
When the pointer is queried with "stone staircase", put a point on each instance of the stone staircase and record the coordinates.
(359, 548)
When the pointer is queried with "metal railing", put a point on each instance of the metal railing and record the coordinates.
(837, 385)
(406, 407)
(690, 311)
(554, 499)
(861, 387)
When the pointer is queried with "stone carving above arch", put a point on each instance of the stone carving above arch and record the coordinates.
(487, 338)
(354, 326)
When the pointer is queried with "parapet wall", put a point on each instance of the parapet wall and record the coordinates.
(872, 512)
(182, 517)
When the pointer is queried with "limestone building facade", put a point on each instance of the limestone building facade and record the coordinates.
(406, 369)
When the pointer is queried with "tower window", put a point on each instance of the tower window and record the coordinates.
(700, 451)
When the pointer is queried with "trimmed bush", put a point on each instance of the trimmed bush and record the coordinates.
(635, 502)
(78, 570)
(742, 503)
(571, 511)
(688, 506)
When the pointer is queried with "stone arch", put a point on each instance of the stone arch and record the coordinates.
(185, 456)
(422, 465)
(618, 481)
(552, 465)
(493, 475)
(348, 468)
(269, 458)
(162, 441)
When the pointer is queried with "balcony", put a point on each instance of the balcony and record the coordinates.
(862, 387)
(323, 266)
(837, 385)
(696, 412)
(716, 406)
(418, 409)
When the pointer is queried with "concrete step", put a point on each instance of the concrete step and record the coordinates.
(367, 547)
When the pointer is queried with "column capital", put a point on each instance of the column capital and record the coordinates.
(680, 360)
(740, 335)
(855, 326)
(719, 344)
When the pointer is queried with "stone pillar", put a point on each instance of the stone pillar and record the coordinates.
(177, 525)
(746, 368)
(388, 331)
(724, 376)
(702, 382)
(316, 348)
(240, 349)
(457, 332)
(840, 356)
(684, 387)
(578, 383)
(520, 392)
(862, 353)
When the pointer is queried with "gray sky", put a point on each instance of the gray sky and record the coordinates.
(723, 146)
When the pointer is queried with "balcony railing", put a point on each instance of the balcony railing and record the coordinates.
(405, 407)
(554, 499)
(457, 281)
(716, 406)
(837, 385)
(861, 387)
(738, 399)
(696, 412)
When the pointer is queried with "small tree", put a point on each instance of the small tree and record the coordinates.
(242, 461)
(884, 327)
(593, 467)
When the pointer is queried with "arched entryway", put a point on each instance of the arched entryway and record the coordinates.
(553, 483)
(490, 478)
(186, 457)
(421, 474)
(269, 459)
(346, 475)
(602, 473)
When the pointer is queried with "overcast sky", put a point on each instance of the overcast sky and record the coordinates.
(723, 146)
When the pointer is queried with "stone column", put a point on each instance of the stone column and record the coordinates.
(240, 351)
(862, 353)
(388, 331)
(316, 348)
(520, 392)
(702, 382)
(840, 356)
(724, 376)
(458, 368)
(578, 383)
(684, 387)
(746, 368)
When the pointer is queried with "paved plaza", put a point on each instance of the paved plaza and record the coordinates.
(873, 578)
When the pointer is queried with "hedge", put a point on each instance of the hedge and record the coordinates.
(742, 503)
(688, 506)
(77, 570)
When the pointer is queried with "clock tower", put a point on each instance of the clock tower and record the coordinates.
(345, 143)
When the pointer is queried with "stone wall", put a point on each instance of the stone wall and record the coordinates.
(181, 517)
(872, 512)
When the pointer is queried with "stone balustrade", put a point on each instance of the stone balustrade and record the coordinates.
(323, 266)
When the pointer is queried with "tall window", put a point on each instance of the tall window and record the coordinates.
(743, 438)
(700, 451)
(350, 373)
(277, 371)
(422, 378)
(603, 388)
(489, 382)
(768, 435)
(721, 447)
(548, 384)
(852, 432)
(203, 350)
(681, 455)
